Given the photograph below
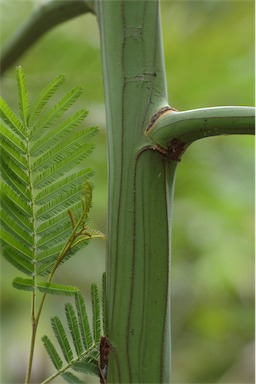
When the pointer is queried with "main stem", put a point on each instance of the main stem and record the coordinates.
(140, 194)
(33, 338)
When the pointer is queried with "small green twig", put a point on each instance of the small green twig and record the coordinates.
(76, 360)
(71, 218)
(34, 323)
(67, 247)
(44, 18)
(188, 126)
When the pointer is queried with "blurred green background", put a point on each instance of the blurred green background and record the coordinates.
(209, 56)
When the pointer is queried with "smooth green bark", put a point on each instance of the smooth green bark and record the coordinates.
(140, 189)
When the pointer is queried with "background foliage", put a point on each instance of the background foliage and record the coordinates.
(209, 61)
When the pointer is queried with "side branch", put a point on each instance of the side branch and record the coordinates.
(174, 131)
(44, 18)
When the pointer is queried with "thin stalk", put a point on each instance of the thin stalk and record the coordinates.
(35, 317)
(45, 17)
(33, 303)
(33, 338)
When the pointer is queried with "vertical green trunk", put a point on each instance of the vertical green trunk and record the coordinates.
(140, 189)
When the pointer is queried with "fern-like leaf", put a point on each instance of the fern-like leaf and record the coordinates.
(17, 247)
(21, 264)
(53, 354)
(83, 321)
(74, 328)
(23, 97)
(41, 151)
(45, 287)
(95, 312)
(23, 284)
(56, 111)
(61, 336)
(45, 96)
(7, 115)
(58, 132)
(13, 140)
(64, 185)
(79, 348)
(56, 289)
(70, 378)
(88, 367)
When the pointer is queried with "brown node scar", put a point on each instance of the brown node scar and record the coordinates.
(103, 359)
(176, 149)
(159, 113)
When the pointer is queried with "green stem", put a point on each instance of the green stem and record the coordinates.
(33, 339)
(34, 322)
(140, 194)
(188, 126)
(45, 17)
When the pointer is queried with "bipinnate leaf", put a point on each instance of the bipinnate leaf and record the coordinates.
(56, 289)
(79, 348)
(56, 111)
(88, 367)
(41, 150)
(45, 287)
(45, 95)
(53, 354)
(83, 321)
(23, 284)
(7, 115)
(23, 96)
(58, 132)
(74, 328)
(61, 336)
(95, 312)
(21, 264)
(70, 378)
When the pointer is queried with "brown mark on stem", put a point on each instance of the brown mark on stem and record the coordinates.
(103, 358)
(158, 114)
(176, 149)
